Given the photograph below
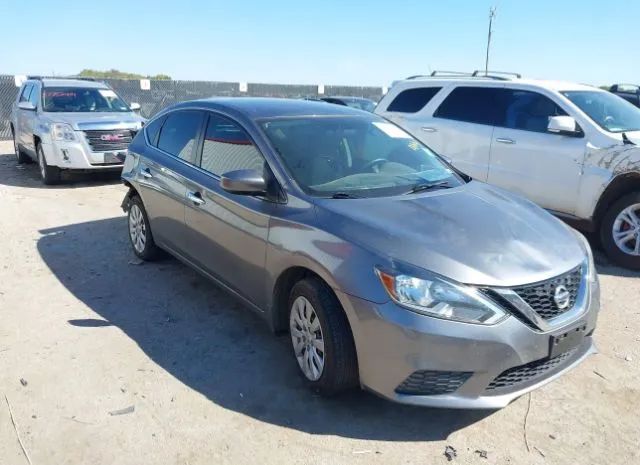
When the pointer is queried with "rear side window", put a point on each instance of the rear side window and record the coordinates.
(179, 133)
(481, 105)
(529, 111)
(413, 100)
(24, 96)
(227, 147)
(153, 130)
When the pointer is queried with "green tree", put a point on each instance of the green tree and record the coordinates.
(116, 74)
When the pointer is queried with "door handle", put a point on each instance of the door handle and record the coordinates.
(195, 197)
(146, 173)
(502, 140)
(428, 129)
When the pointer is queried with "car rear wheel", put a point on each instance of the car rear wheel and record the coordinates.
(49, 174)
(321, 337)
(140, 232)
(21, 157)
(620, 231)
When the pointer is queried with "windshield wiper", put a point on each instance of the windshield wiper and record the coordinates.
(428, 186)
(626, 140)
(344, 195)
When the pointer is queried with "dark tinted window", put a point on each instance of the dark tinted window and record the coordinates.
(153, 130)
(413, 100)
(227, 147)
(179, 133)
(529, 111)
(24, 96)
(473, 105)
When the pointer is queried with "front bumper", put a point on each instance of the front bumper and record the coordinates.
(394, 343)
(77, 155)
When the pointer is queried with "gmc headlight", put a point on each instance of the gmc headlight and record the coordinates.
(62, 131)
(441, 299)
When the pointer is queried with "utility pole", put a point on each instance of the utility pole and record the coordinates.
(492, 14)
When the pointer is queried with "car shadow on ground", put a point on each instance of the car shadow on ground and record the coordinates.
(27, 175)
(214, 345)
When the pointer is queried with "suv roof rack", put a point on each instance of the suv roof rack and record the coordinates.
(495, 74)
(77, 78)
(438, 72)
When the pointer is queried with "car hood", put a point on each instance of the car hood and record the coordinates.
(96, 120)
(474, 234)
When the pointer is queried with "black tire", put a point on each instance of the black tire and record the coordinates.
(149, 251)
(340, 371)
(615, 253)
(50, 174)
(21, 157)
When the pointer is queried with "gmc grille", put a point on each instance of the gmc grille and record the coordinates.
(109, 140)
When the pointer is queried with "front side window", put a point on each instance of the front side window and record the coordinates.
(610, 112)
(357, 156)
(34, 97)
(227, 147)
(480, 105)
(529, 111)
(81, 99)
(24, 96)
(179, 134)
(413, 100)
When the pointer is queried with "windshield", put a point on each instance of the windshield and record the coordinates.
(355, 156)
(610, 112)
(81, 99)
(366, 105)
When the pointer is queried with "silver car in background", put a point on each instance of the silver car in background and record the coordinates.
(390, 269)
(71, 124)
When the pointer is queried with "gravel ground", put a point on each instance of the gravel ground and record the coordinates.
(107, 361)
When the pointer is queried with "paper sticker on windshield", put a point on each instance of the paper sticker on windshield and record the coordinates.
(107, 93)
(391, 130)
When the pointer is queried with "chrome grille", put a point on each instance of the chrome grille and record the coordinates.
(109, 140)
(528, 372)
(540, 296)
(431, 383)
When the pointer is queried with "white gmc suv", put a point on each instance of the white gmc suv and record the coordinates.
(570, 148)
(71, 124)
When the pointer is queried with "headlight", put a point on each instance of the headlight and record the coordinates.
(62, 131)
(591, 272)
(441, 299)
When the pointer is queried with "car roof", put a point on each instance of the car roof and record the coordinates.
(491, 82)
(265, 107)
(46, 82)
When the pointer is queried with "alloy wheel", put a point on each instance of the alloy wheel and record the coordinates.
(306, 335)
(626, 230)
(137, 229)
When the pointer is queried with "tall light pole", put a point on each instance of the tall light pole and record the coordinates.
(492, 14)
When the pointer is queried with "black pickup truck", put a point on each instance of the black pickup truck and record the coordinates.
(629, 92)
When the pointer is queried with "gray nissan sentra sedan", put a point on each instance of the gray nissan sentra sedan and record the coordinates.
(390, 269)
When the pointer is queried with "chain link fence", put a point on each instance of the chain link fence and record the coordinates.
(162, 93)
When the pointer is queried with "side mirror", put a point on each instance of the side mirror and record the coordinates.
(26, 106)
(244, 182)
(135, 107)
(563, 125)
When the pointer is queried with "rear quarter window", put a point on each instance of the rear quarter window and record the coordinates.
(413, 100)
(152, 130)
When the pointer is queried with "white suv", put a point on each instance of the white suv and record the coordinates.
(568, 147)
(71, 124)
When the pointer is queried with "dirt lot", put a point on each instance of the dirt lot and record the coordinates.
(107, 361)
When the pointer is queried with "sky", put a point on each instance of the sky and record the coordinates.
(346, 42)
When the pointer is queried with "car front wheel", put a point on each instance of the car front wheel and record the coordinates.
(620, 231)
(322, 341)
(49, 174)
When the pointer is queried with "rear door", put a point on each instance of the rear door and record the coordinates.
(529, 160)
(227, 233)
(163, 172)
(461, 127)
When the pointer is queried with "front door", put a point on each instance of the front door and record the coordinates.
(528, 160)
(227, 233)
